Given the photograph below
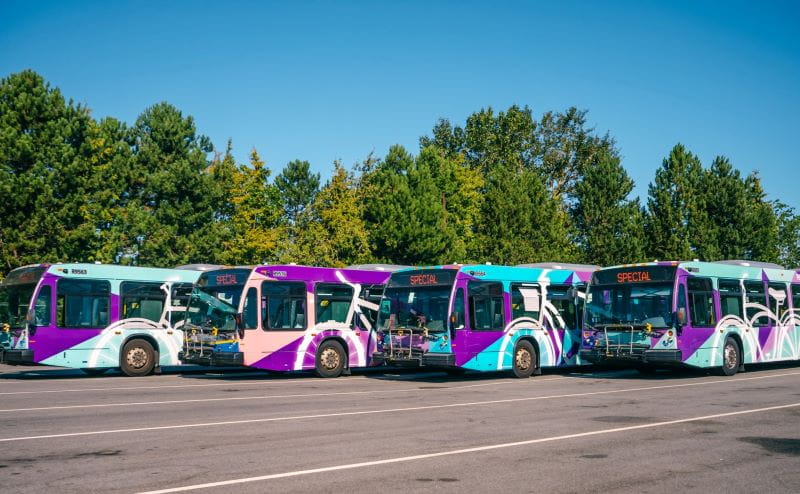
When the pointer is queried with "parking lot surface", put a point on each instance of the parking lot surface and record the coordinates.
(570, 431)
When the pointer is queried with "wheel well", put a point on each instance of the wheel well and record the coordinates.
(738, 339)
(341, 341)
(532, 341)
(144, 337)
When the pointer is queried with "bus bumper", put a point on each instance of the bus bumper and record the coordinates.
(222, 359)
(635, 355)
(17, 357)
(403, 359)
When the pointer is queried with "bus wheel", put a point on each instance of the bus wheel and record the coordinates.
(138, 358)
(330, 359)
(93, 371)
(524, 359)
(731, 358)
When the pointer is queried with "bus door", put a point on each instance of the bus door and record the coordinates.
(487, 317)
(284, 321)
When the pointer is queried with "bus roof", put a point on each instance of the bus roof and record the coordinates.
(322, 274)
(754, 270)
(566, 273)
(119, 272)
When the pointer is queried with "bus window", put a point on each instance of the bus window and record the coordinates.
(283, 305)
(777, 299)
(144, 300)
(333, 302)
(560, 297)
(755, 299)
(730, 297)
(796, 297)
(373, 294)
(701, 302)
(525, 300)
(43, 306)
(486, 306)
(580, 301)
(458, 309)
(251, 309)
(82, 303)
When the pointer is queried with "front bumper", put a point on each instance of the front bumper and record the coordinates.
(415, 359)
(223, 359)
(631, 355)
(17, 357)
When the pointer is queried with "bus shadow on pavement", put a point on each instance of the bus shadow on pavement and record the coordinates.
(675, 373)
(30, 373)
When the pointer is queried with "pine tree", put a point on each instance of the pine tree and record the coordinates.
(297, 187)
(610, 226)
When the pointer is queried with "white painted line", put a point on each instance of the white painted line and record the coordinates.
(389, 410)
(267, 397)
(462, 451)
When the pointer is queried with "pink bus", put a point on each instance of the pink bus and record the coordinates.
(285, 317)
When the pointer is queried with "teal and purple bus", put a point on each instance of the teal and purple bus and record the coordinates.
(483, 317)
(711, 315)
(93, 317)
(285, 317)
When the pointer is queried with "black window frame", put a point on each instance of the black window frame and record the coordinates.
(726, 293)
(514, 289)
(373, 294)
(493, 299)
(568, 296)
(762, 321)
(246, 304)
(795, 291)
(770, 300)
(49, 308)
(707, 292)
(124, 293)
(265, 309)
(61, 324)
(333, 298)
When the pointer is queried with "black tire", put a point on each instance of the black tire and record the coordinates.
(94, 371)
(731, 358)
(138, 358)
(523, 363)
(330, 361)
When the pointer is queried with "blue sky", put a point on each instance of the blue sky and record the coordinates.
(335, 80)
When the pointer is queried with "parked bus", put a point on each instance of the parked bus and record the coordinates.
(483, 317)
(285, 317)
(719, 315)
(93, 316)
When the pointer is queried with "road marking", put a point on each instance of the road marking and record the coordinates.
(266, 397)
(389, 410)
(476, 449)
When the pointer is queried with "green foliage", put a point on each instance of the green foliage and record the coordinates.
(609, 225)
(788, 235)
(297, 187)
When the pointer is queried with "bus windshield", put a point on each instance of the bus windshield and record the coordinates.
(635, 304)
(14, 302)
(414, 307)
(214, 307)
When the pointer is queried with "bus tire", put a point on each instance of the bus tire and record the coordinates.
(330, 361)
(523, 363)
(138, 358)
(731, 358)
(93, 371)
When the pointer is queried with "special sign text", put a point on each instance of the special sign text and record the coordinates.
(633, 276)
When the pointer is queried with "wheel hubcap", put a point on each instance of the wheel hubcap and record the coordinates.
(523, 359)
(330, 359)
(731, 356)
(137, 358)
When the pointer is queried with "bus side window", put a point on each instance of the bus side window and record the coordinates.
(795, 297)
(486, 306)
(559, 296)
(82, 303)
(43, 304)
(333, 301)
(458, 309)
(730, 297)
(778, 302)
(757, 298)
(524, 298)
(701, 302)
(251, 309)
(283, 305)
(372, 294)
(145, 300)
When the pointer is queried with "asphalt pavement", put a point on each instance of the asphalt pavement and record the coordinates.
(202, 430)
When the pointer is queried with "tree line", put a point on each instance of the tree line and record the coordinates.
(505, 187)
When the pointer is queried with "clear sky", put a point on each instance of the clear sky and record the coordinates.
(335, 80)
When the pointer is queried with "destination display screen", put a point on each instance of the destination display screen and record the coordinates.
(224, 277)
(634, 274)
(426, 277)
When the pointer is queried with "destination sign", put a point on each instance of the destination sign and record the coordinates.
(423, 278)
(225, 277)
(634, 274)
